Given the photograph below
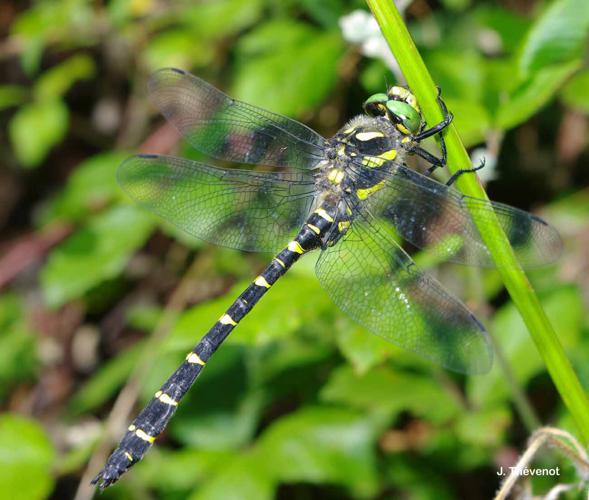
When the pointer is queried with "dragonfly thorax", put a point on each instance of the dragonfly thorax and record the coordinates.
(357, 157)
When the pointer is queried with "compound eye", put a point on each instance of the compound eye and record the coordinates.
(402, 94)
(405, 116)
(375, 105)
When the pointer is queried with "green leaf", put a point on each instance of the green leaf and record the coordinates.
(180, 469)
(471, 119)
(558, 36)
(278, 315)
(18, 356)
(177, 48)
(269, 81)
(485, 428)
(576, 92)
(221, 17)
(96, 253)
(36, 128)
(11, 95)
(391, 392)
(532, 94)
(91, 186)
(26, 456)
(52, 21)
(322, 445)
(107, 380)
(459, 73)
(55, 82)
(564, 307)
(510, 26)
(326, 12)
(362, 349)
(213, 419)
(242, 478)
(144, 317)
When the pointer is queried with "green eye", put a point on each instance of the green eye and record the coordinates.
(375, 105)
(406, 115)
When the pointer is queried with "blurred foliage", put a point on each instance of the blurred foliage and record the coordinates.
(300, 402)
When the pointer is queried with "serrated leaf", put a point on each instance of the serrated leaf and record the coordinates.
(558, 36)
(242, 478)
(385, 390)
(322, 445)
(532, 94)
(36, 128)
(362, 349)
(26, 457)
(56, 81)
(564, 307)
(213, 419)
(96, 253)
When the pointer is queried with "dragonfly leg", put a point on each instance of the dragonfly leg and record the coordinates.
(458, 173)
(437, 129)
(430, 158)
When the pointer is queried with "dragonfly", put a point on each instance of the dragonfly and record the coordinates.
(351, 197)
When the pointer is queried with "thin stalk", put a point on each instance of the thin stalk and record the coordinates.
(516, 282)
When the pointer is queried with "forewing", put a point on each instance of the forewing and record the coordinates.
(437, 217)
(373, 280)
(241, 209)
(228, 129)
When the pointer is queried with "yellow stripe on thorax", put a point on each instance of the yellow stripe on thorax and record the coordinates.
(378, 161)
(324, 215)
(362, 194)
(313, 228)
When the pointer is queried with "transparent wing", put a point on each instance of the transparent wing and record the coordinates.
(240, 209)
(436, 217)
(373, 280)
(227, 129)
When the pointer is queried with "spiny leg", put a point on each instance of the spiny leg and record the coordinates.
(155, 416)
(436, 129)
(430, 158)
(458, 173)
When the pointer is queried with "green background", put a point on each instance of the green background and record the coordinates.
(301, 402)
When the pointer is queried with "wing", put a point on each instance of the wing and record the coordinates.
(227, 129)
(240, 209)
(373, 280)
(436, 217)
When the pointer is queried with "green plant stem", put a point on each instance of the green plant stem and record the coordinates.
(516, 282)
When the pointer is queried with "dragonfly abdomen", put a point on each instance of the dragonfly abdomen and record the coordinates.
(155, 416)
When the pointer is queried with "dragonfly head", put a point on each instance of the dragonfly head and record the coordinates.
(399, 106)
